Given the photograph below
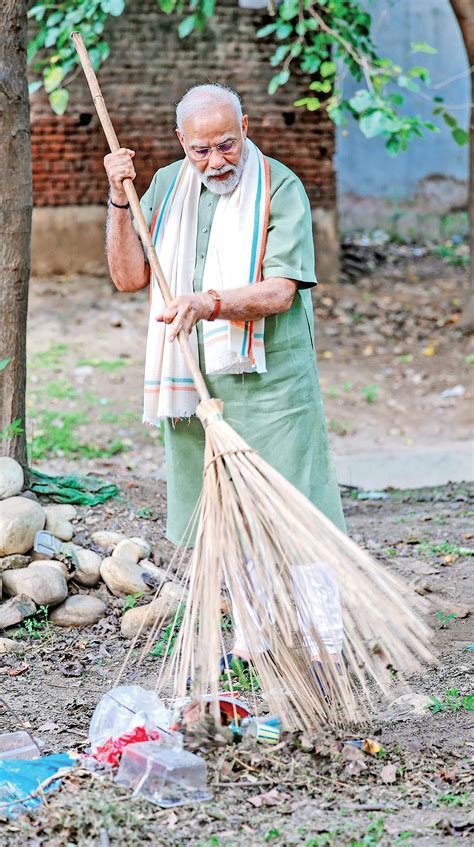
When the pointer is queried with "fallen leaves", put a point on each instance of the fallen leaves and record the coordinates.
(388, 774)
(274, 797)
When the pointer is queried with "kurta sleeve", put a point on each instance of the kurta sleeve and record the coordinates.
(147, 202)
(289, 250)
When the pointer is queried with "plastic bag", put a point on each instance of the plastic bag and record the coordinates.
(124, 708)
(22, 778)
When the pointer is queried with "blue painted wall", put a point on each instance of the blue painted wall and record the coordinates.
(363, 167)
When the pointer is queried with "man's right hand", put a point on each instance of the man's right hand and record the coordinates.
(119, 166)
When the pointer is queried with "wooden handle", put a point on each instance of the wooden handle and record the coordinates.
(132, 197)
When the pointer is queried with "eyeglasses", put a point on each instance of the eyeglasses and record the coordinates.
(225, 147)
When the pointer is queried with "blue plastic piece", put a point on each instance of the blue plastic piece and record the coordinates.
(19, 778)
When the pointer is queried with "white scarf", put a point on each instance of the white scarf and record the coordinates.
(234, 259)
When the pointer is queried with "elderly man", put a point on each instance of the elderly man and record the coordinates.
(233, 232)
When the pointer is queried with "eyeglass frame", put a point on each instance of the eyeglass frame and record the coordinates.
(218, 147)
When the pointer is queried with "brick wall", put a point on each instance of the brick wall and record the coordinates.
(147, 72)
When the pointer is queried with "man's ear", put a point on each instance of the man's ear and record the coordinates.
(245, 125)
(181, 139)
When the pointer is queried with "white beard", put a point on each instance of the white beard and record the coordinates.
(228, 185)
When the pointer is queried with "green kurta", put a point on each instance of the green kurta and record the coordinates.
(279, 413)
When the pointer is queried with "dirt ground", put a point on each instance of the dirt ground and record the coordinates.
(382, 374)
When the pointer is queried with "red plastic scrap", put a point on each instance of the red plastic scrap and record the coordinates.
(110, 752)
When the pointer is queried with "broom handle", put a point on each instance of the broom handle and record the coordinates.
(132, 198)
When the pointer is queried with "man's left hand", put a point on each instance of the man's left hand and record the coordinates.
(184, 312)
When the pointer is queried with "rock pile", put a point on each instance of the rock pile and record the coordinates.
(29, 580)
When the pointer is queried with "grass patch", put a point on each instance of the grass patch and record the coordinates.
(451, 701)
(56, 435)
(49, 358)
(107, 365)
(167, 640)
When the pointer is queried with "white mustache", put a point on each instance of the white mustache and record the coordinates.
(219, 171)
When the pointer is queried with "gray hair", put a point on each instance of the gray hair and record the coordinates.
(199, 98)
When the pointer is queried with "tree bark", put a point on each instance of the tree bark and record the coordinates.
(464, 11)
(15, 221)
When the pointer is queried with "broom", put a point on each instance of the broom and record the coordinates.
(280, 558)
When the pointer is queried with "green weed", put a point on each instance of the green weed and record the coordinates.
(375, 831)
(60, 390)
(453, 702)
(405, 360)
(272, 834)
(165, 644)
(107, 365)
(370, 393)
(445, 619)
(38, 626)
(49, 358)
(4, 363)
(147, 513)
(242, 677)
(469, 359)
(323, 839)
(131, 600)
(453, 254)
(56, 435)
(445, 548)
(332, 391)
(454, 799)
(15, 428)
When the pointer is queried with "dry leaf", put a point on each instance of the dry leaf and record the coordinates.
(429, 351)
(388, 774)
(370, 746)
(269, 798)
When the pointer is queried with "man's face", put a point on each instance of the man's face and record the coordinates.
(214, 145)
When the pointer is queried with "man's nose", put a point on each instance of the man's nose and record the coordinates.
(216, 159)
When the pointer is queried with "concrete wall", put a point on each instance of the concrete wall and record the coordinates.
(413, 191)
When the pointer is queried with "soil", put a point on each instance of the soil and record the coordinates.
(318, 791)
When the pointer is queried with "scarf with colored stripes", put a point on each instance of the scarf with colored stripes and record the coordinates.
(234, 259)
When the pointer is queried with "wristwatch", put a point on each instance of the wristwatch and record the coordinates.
(217, 304)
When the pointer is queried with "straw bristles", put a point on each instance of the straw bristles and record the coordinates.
(280, 557)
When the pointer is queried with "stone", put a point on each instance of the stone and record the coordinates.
(11, 477)
(106, 539)
(142, 618)
(122, 577)
(175, 591)
(64, 511)
(148, 568)
(60, 567)
(88, 572)
(20, 520)
(10, 645)
(144, 546)
(57, 526)
(16, 610)
(44, 584)
(79, 610)
(10, 563)
(128, 550)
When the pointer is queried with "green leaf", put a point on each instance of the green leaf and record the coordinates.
(53, 78)
(167, 6)
(34, 86)
(266, 30)
(405, 82)
(113, 7)
(373, 124)
(51, 36)
(422, 47)
(438, 99)
(318, 85)
(421, 73)
(187, 25)
(362, 100)
(59, 100)
(450, 120)
(283, 31)
(207, 7)
(54, 19)
(279, 54)
(327, 69)
(278, 80)
(393, 146)
(4, 363)
(460, 136)
(431, 126)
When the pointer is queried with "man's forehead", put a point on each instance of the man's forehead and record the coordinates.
(208, 125)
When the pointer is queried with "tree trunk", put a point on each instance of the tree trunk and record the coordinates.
(464, 11)
(15, 222)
